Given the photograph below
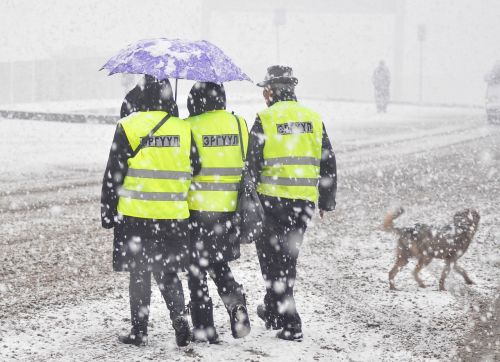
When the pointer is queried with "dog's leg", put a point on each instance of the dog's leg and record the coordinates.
(420, 265)
(444, 274)
(462, 272)
(400, 263)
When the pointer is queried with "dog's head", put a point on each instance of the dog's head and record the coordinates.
(466, 220)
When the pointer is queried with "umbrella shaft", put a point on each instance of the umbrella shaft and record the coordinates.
(175, 95)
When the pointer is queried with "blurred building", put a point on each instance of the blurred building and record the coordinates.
(332, 45)
(55, 79)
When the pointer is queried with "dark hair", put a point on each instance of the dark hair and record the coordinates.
(282, 92)
(157, 96)
(204, 97)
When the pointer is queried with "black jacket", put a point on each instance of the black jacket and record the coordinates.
(328, 167)
(210, 236)
(116, 170)
(144, 244)
(163, 243)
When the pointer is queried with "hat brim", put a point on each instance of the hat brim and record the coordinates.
(283, 80)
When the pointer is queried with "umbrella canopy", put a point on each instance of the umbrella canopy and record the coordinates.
(175, 58)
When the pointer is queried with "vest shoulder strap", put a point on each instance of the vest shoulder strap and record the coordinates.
(242, 148)
(151, 133)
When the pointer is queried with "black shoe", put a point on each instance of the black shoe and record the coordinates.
(137, 339)
(271, 321)
(290, 334)
(240, 323)
(202, 316)
(205, 335)
(182, 331)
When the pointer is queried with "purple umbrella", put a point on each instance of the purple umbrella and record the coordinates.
(175, 58)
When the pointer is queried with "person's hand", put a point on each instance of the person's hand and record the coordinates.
(107, 224)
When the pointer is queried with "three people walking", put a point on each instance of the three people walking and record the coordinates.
(171, 190)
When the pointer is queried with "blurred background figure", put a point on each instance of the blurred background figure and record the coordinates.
(381, 82)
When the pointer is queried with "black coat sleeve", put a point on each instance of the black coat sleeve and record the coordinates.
(254, 158)
(125, 109)
(195, 158)
(116, 169)
(328, 173)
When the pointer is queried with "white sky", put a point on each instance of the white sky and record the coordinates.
(336, 50)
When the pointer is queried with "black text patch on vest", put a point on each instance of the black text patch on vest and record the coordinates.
(161, 141)
(221, 140)
(294, 128)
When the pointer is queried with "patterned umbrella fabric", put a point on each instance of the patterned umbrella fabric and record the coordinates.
(175, 58)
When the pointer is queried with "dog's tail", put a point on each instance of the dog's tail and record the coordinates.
(388, 224)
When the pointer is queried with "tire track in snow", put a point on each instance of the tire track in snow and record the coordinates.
(387, 154)
(349, 146)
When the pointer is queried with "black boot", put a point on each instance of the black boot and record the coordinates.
(182, 331)
(270, 319)
(292, 329)
(291, 334)
(202, 316)
(134, 337)
(240, 323)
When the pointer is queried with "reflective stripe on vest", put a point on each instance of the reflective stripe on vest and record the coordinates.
(214, 186)
(158, 177)
(219, 171)
(158, 174)
(154, 196)
(216, 135)
(279, 161)
(289, 181)
(292, 151)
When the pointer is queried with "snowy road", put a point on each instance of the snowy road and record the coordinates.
(60, 300)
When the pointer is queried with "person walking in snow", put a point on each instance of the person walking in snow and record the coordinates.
(221, 139)
(381, 82)
(291, 165)
(144, 198)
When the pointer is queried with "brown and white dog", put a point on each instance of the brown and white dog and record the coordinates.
(425, 243)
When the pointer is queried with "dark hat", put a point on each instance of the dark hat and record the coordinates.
(279, 74)
(204, 97)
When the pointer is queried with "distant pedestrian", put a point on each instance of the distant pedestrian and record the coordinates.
(291, 165)
(221, 139)
(144, 198)
(381, 82)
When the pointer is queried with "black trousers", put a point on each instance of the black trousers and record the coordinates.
(278, 250)
(140, 296)
(229, 290)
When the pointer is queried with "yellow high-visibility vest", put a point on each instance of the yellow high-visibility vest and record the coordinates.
(292, 151)
(217, 138)
(159, 175)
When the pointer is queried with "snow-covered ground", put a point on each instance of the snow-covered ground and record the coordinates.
(59, 298)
